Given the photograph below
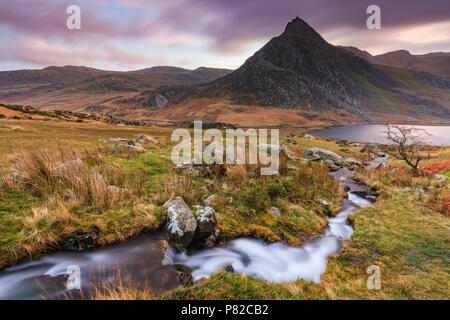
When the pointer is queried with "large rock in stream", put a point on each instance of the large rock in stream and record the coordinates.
(181, 223)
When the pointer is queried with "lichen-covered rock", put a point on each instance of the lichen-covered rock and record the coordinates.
(206, 220)
(180, 224)
(316, 154)
(331, 165)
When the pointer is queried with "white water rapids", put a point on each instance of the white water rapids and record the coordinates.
(277, 262)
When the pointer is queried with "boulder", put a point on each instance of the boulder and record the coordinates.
(181, 223)
(206, 221)
(440, 177)
(308, 136)
(331, 165)
(146, 139)
(121, 147)
(291, 141)
(353, 162)
(316, 154)
(210, 200)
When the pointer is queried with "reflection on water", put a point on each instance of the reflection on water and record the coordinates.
(376, 133)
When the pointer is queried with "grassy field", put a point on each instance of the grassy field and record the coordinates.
(405, 233)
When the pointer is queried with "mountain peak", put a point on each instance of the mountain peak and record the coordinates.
(299, 31)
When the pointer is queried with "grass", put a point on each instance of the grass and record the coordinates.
(405, 232)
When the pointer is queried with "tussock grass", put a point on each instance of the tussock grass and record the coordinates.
(66, 173)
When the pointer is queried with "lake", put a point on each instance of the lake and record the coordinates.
(375, 133)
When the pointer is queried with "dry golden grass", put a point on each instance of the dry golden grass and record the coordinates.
(66, 173)
(237, 174)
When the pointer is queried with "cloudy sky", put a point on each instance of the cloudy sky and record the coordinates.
(133, 34)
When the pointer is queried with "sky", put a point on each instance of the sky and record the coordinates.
(135, 34)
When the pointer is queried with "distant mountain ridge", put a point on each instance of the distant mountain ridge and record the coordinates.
(437, 63)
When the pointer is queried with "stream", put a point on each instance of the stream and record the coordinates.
(142, 261)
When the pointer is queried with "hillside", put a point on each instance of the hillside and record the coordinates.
(437, 63)
(78, 88)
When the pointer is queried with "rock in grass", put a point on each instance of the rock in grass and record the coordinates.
(121, 147)
(77, 163)
(308, 136)
(331, 165)
(210, 200)
(206, 220)
(180, 224)
(316, 154)
(321, 201)
(281, 149)
(353, 162)
(440, 177)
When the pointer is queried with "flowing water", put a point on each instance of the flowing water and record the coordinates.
(277, 262)
(376, 133)
(141, 260)
(136, 260)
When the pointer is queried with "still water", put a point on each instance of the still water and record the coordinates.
(376, 133)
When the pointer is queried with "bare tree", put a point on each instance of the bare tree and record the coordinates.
(408, 144)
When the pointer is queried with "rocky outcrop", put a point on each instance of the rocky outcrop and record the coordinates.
(181, 223)
(316, 154)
